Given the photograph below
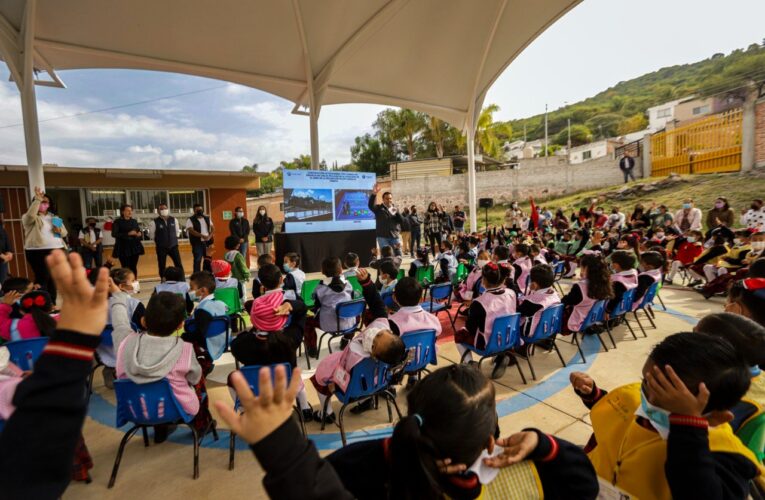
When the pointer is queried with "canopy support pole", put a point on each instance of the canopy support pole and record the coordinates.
(471, 173)
(29, 103)
(314, 119)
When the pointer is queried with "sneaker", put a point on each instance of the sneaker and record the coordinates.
(307, 413)
(328, 419)
(313, 352)
(109, 375)
(363, 407)
(500, 365)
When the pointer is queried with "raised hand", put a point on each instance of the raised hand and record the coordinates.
(11, 297)
(84, 307)
(265, 413)
(670, 393)
(376, 188)
(582, 382)
(362, 274)
(516, 449)
(39, 193)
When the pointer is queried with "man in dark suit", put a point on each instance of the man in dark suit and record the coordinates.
(626, 164)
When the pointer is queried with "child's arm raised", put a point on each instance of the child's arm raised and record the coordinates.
(371, 295)
(586, 389)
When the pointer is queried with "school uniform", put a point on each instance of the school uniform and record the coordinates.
(522, 269)
(416, 264)
(351, 271)
(645, 280)
(412, 318)
(447, 266)
(205, 311)
(389, 287)
(620, 283)
(468, 289)
(135, 311)
(179, 288)
(482, 313)
(578, 304)
(694, 461)
(293, 280)
(326, 296)
(532, 305)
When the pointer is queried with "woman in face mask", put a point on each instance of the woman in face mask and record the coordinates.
(43, 232)
(240, 228)
(720, 215)
(263, 228)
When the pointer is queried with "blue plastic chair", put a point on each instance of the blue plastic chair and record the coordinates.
(217, 336)
(549, 326)
(622, 308)
(504, 337)
(147, 405)
(252, 376)
(421, 350)
(646, 305)
(24, 353)
(345, 310)
(595, 317)
(559, 269)
(440, 300)
(387, 299)
(107, 341)
(369, 379)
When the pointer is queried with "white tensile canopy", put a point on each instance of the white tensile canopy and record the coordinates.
(435, 56)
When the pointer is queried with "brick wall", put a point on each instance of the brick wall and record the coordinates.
(759, 131)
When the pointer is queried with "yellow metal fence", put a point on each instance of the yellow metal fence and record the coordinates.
(711, 144)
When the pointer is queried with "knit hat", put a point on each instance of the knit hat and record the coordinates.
(220, 268)
(262, 313)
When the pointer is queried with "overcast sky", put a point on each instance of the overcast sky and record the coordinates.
(225, 126)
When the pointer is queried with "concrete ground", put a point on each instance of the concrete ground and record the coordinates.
(548, 403)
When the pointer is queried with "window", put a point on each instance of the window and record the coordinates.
(664, 113)
(281, 207)
(586, 155)
(103, 202)
(183, 201)
(701, 110)
(146, 201)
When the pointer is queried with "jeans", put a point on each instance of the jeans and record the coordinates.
(390, 242)
(435, 242)
(627, 175)
(163, 254)
(263, 247)
(416, 241)
(198, 251)
(90, 257)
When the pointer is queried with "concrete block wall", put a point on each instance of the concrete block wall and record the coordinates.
(504, 186)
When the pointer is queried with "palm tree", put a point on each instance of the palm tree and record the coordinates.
(436, 133)
(408, 124)
(490, 134)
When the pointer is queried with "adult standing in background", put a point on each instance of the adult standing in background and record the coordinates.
(263, 229)
(415, 227)
(91, 244)
(200, 230)
(513, 217)
(458, 218)
(406, 231)
(434, 228)
(387, 220)
(43, 232)
(164, 231)
(688, 218)
(240, 228)
(127, 239)
(626, 165)
(754, 218)
(6, 253)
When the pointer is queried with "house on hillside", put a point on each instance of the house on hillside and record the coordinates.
(599, 149)
(518, 150)
(694, 108)
(658, 116)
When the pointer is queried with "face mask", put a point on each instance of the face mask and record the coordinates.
(758, 246)
(136, 287)
(92, 224)
(658, 417)
(598, 212)
(164, 213)
(660, 236)
(199, 212)
(193, 296)
(754, 370)
(239, 215)
(691, 239)
(686, 206)
(481, 263)
(261, 212)
(719, 204)
(44, 207)
(287, 268)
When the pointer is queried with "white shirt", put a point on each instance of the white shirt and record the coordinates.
(89, 235)
(202, 225)
(49, 238)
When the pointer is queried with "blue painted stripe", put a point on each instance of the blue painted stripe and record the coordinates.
(103, 412)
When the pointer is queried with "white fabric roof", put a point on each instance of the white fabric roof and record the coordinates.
(436, 56)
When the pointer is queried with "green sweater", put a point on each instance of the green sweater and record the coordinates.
(239, 269)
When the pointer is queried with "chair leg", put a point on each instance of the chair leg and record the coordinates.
(318, 346)
(196, 450)
(118, 458)
(231, 449)
(390, 412)
(340, 423)
(608, 330)
(145, 436)
(634, 313)
(579, 347)
(528, 360)
(307, 358)
(651, 316)
(464, 355)
(518, 365)
(300, 419)
(324, 412)
(392, 399)
(555, 345)
(661, 302)
(626, 322)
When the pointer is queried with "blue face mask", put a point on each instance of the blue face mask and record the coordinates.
(193, 296)
(754, 370)
(686, 206)
(287, 268)
(658, 417)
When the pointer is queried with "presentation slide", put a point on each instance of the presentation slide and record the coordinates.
(320, 201)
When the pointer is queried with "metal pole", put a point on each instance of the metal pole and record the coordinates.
(471, 173)
(314, 119)
(545, 130)
(569, 140)
(29, 103)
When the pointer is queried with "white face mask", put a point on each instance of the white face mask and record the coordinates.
(136, 287)
(368, 337)
(660, 236)
(240, 214)
(691, 239)
(261, 212)
(758, 246)
(481, 263)
(164, 212)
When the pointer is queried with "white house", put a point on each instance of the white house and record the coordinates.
(658, 116)
(521, 149)
(593, 150)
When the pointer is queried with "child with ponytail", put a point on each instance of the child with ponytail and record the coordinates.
(594, 285)
(522, 265)
(35, 308)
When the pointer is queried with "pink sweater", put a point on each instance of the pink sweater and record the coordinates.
(26, 325)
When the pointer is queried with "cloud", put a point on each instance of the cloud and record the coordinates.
(145, 149)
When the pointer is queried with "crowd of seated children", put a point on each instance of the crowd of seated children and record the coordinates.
(652, 264)
(264, 259)
(351, 264)
(496, 301)
(663, 438)
(685, 254)
(159, 354)
(748, 338)
(294, 276)
(422, 259)
(224, 279)
(327, 295)
(202, 292)
(25, 312)
(594, 285)
(240, 270)
(175, 282)
(277, 328)
(731, 261)
(623, 277)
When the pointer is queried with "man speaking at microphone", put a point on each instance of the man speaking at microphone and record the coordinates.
(387, 220)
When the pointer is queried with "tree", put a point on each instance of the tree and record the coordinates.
(634, 123)
(606, 124)
(302, 162)
(369, 154)
(407, 125)
(490, 135)
(580, 134)
(436, 133)
(250, 168)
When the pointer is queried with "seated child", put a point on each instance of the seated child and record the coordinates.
(294, 277)
(10, 376)
(445, 263)
(536, 254)
(541, 296)
(351, 263)
(158, 354)
(666, 437)
(411, 316)
(126, 282)
(25, 313)
(522, 266)
(747, 298)
(685, 254)
(175, 282)
(224, 279)
(388, 277)
(240, 270)
(264, 259)
(623, 276)
(421, 260)
(410, 462)
(711, 255)
(494, 302)
(733, 260)
(334, 290)
(594, 285)
(468, 289)
(335, 369)
(207, 307)
(652, 263)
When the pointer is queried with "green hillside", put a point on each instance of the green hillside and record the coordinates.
(621, 108)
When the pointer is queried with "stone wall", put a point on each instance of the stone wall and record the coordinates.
(503, 186)
(759, 141)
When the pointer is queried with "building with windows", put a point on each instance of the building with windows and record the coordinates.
(593, 150)
(658, 116)
(79, 193)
